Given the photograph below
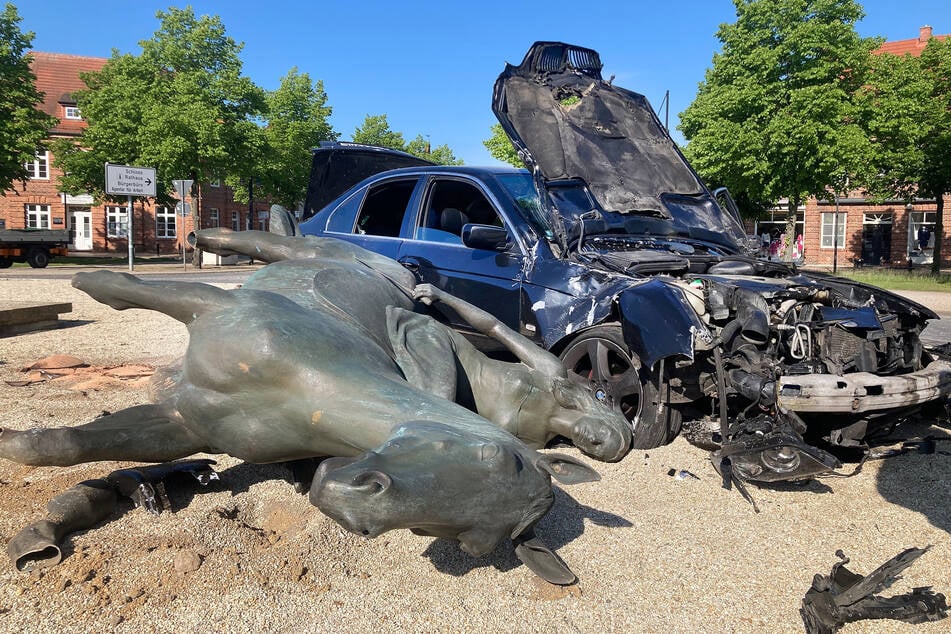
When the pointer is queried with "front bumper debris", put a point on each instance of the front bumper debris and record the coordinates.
(863, 391)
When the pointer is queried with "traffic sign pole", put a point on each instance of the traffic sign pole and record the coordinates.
(129, 240)
(131, 181)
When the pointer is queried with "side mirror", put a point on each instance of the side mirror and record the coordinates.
(485, 237)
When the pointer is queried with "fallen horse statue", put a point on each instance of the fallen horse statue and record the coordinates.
(534, 398)
(307, 385)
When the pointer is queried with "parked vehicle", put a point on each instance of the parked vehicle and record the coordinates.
(612, 253)
(34, 246)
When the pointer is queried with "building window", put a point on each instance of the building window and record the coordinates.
(829, 226)
(213, 220)
(71, 112)
(39, 166)
(164, 222)
(921, 236)
(235, 221)
(772, 234)
(117, 222)
(215, 182)
(37, 216)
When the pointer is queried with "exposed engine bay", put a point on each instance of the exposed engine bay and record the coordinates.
(808, 363)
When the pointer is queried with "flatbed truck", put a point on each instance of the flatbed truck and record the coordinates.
(36, 247)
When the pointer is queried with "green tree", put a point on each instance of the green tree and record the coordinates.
(23, 127)
(182, 107)
(906, 108)
(441, 154)
(774, 116)
(376, 131)
(501, 148)
(297, 114)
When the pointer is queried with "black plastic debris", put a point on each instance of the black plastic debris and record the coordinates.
(843, 596)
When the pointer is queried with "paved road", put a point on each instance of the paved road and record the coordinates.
(236, 274)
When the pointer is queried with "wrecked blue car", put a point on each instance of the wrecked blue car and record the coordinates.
(610, 252)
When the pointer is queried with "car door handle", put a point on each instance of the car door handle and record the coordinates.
(411, 264)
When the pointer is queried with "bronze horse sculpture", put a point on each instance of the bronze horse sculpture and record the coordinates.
(310, 384)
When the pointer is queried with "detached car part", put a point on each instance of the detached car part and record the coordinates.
(843, 596)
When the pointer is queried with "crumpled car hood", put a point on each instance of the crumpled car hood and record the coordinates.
(568, 123)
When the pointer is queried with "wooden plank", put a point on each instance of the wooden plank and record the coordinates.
(15, 316)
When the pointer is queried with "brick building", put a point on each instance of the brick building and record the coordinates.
(889, 234)
(103, 225)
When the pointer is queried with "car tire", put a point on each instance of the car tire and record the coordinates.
(38, 258)
(600, 355)
(6, 263)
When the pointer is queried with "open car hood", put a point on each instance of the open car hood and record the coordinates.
(568, 123)
(338, 165)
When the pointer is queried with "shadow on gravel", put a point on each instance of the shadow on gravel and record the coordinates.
(921, 482)
(563, 524)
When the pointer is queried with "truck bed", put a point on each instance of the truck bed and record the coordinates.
(27, 236)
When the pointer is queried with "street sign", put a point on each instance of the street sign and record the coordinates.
(182, 187)
(126, 180)
(183, 209)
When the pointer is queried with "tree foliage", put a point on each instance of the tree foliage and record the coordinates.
(500, 147)
(296, 121)
(182, 107)
(906, 108)
(774, 116)
(376, 131)
(23, 127)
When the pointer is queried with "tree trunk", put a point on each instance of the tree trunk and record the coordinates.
(938, 235)
(790, 236)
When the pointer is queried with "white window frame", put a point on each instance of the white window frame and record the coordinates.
(166, 223)
(214, 217)
(72, 112)
(37, 216)
(826, 227)
(235, 221)
(117, 221)
(39, 167)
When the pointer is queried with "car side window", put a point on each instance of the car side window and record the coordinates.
(450, 205)
(384, 207)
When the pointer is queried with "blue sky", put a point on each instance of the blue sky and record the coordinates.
(430, 66)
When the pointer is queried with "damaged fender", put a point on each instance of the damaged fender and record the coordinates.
(658, 322)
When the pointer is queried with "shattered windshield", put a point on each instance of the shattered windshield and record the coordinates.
(522, 189)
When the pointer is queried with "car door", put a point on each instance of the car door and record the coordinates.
(377, 215)
(434, 249)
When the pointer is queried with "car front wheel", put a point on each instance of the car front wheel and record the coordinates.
(601, 356)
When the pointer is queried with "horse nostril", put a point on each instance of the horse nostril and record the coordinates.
(365, 531)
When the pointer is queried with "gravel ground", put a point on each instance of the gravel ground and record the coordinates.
(653, 553)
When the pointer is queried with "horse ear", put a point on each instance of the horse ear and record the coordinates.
(542, 560)
(566, 469)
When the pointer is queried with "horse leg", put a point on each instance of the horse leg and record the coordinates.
(143, 433)
(184, 301)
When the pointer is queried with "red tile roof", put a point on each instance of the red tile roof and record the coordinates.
(57, 76)
(909, 47)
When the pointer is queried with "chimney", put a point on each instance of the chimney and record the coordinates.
(924, 34)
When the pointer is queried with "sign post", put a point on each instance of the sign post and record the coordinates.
(130, 181)
(182, 187)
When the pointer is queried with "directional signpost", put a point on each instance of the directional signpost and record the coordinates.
(126, 180)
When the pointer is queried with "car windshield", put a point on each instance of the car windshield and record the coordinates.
(522, 189)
